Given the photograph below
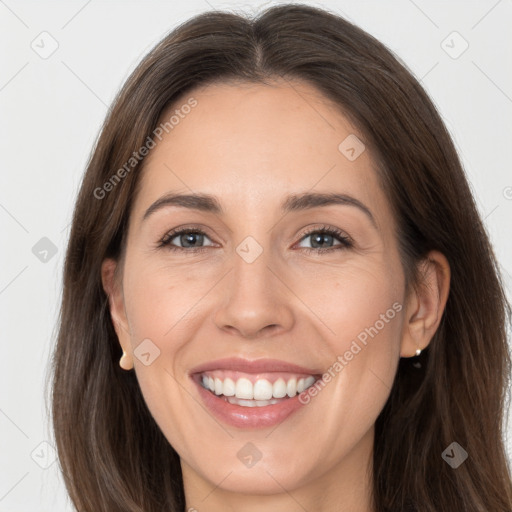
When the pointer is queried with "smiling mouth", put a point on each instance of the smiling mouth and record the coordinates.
(254, 390)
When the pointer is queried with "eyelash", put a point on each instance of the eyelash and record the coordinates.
(346, 242)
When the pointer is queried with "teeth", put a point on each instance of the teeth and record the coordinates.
(309, 382)
(279, 388)
(228, 387)
(251, 403)
(291, 387)
(218, 386)
(262, 390)
(243, 390)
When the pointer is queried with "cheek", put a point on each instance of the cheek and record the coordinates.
(353, 297)
(361, 312)
(160, 300)
(158, 306)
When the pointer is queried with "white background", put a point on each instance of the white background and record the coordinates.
(51, 111)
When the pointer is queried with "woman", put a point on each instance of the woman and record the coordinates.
(336, 340)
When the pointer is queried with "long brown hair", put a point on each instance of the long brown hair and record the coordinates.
(112, 454)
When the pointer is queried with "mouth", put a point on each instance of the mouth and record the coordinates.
(252, 394)
(249, 390)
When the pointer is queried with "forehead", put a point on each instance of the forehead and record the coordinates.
(255, 143)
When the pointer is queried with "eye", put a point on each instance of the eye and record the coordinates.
(187, 239)
(321, 237)
(190, 240)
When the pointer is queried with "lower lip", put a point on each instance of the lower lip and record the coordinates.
(248, 417)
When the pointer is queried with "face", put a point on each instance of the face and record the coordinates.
(255, 298)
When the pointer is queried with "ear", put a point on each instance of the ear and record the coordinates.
(425, 306)
(114, 292)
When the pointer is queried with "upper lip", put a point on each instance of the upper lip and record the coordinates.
(253, 366)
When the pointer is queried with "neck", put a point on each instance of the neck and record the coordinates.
(344, 487)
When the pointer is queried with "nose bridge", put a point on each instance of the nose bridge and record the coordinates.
(255, 298)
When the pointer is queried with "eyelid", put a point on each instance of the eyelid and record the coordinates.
(185, 228)
(345, 240)
(325, 228)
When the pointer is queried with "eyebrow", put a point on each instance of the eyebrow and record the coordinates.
(293, 202)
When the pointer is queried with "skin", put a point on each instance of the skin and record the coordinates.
(250, 146)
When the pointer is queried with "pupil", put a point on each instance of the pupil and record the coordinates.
(189, 237)
(320, 237)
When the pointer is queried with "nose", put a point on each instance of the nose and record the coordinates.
(256, 299)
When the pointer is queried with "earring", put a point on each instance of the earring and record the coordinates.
(415, 363)
(125, 363)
